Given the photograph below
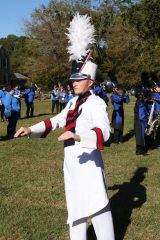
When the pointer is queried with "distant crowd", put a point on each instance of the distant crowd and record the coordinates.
(60, 96)
(146, 110)
(10, 102)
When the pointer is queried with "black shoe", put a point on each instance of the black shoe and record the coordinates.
(116, 142)
(142, 153)
(138, 153)
(6, 138)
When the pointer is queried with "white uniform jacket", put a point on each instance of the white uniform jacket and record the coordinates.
(83, 166)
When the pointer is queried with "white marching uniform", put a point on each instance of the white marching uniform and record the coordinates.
(83, 165)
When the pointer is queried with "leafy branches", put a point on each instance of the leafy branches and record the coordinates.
(129, 31)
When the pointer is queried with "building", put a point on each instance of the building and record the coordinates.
(18, 79)
(4, 66)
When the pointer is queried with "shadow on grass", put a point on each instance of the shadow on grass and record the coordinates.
(128, 136)
(130, 195)
(5, 138)
(109, 141)
(151, 143)
(38, 115)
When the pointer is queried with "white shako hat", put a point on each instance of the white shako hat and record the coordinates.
(81, 38)
(85, 70)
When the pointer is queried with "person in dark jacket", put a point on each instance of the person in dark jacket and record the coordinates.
(117, 123)
(149, 138)
(156, 98)
(12, 109)
(140, 123)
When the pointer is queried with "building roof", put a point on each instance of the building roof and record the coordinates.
(18, 76)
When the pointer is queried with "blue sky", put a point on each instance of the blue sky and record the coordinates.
(12, 13)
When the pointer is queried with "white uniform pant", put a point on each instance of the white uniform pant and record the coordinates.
(102, 223)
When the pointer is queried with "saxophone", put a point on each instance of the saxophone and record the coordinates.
(149, 130)
(153, 123)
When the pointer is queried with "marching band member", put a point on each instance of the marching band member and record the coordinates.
(140, 122)
(86, 127)
(149, 136)
(118, 112)
(98, 90)
(156, 98)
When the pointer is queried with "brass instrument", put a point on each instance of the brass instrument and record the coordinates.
(149, 130)
(153, 123)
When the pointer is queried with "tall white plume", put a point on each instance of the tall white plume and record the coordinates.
(81, 36)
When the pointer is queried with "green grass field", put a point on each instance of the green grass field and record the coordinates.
(32, 199)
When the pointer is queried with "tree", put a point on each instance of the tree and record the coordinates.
(145, 17)
(127, 30)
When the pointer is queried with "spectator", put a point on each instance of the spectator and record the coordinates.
(12, 109)
(17, 95)
(55, 98)
(3, 93)
(62, 94)
(69, 94)
(29, 99)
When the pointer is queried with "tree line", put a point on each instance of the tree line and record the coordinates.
(130, 30)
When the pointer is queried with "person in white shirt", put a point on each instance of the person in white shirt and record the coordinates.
(87, 127)
(83, 166)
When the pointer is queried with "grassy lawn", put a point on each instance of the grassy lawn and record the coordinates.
(32, 200)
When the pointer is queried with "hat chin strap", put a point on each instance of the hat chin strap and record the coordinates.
(89, 77)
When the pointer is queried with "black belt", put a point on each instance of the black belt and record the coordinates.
(68, 143)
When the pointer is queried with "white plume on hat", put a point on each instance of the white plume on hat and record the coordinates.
(81, 36)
